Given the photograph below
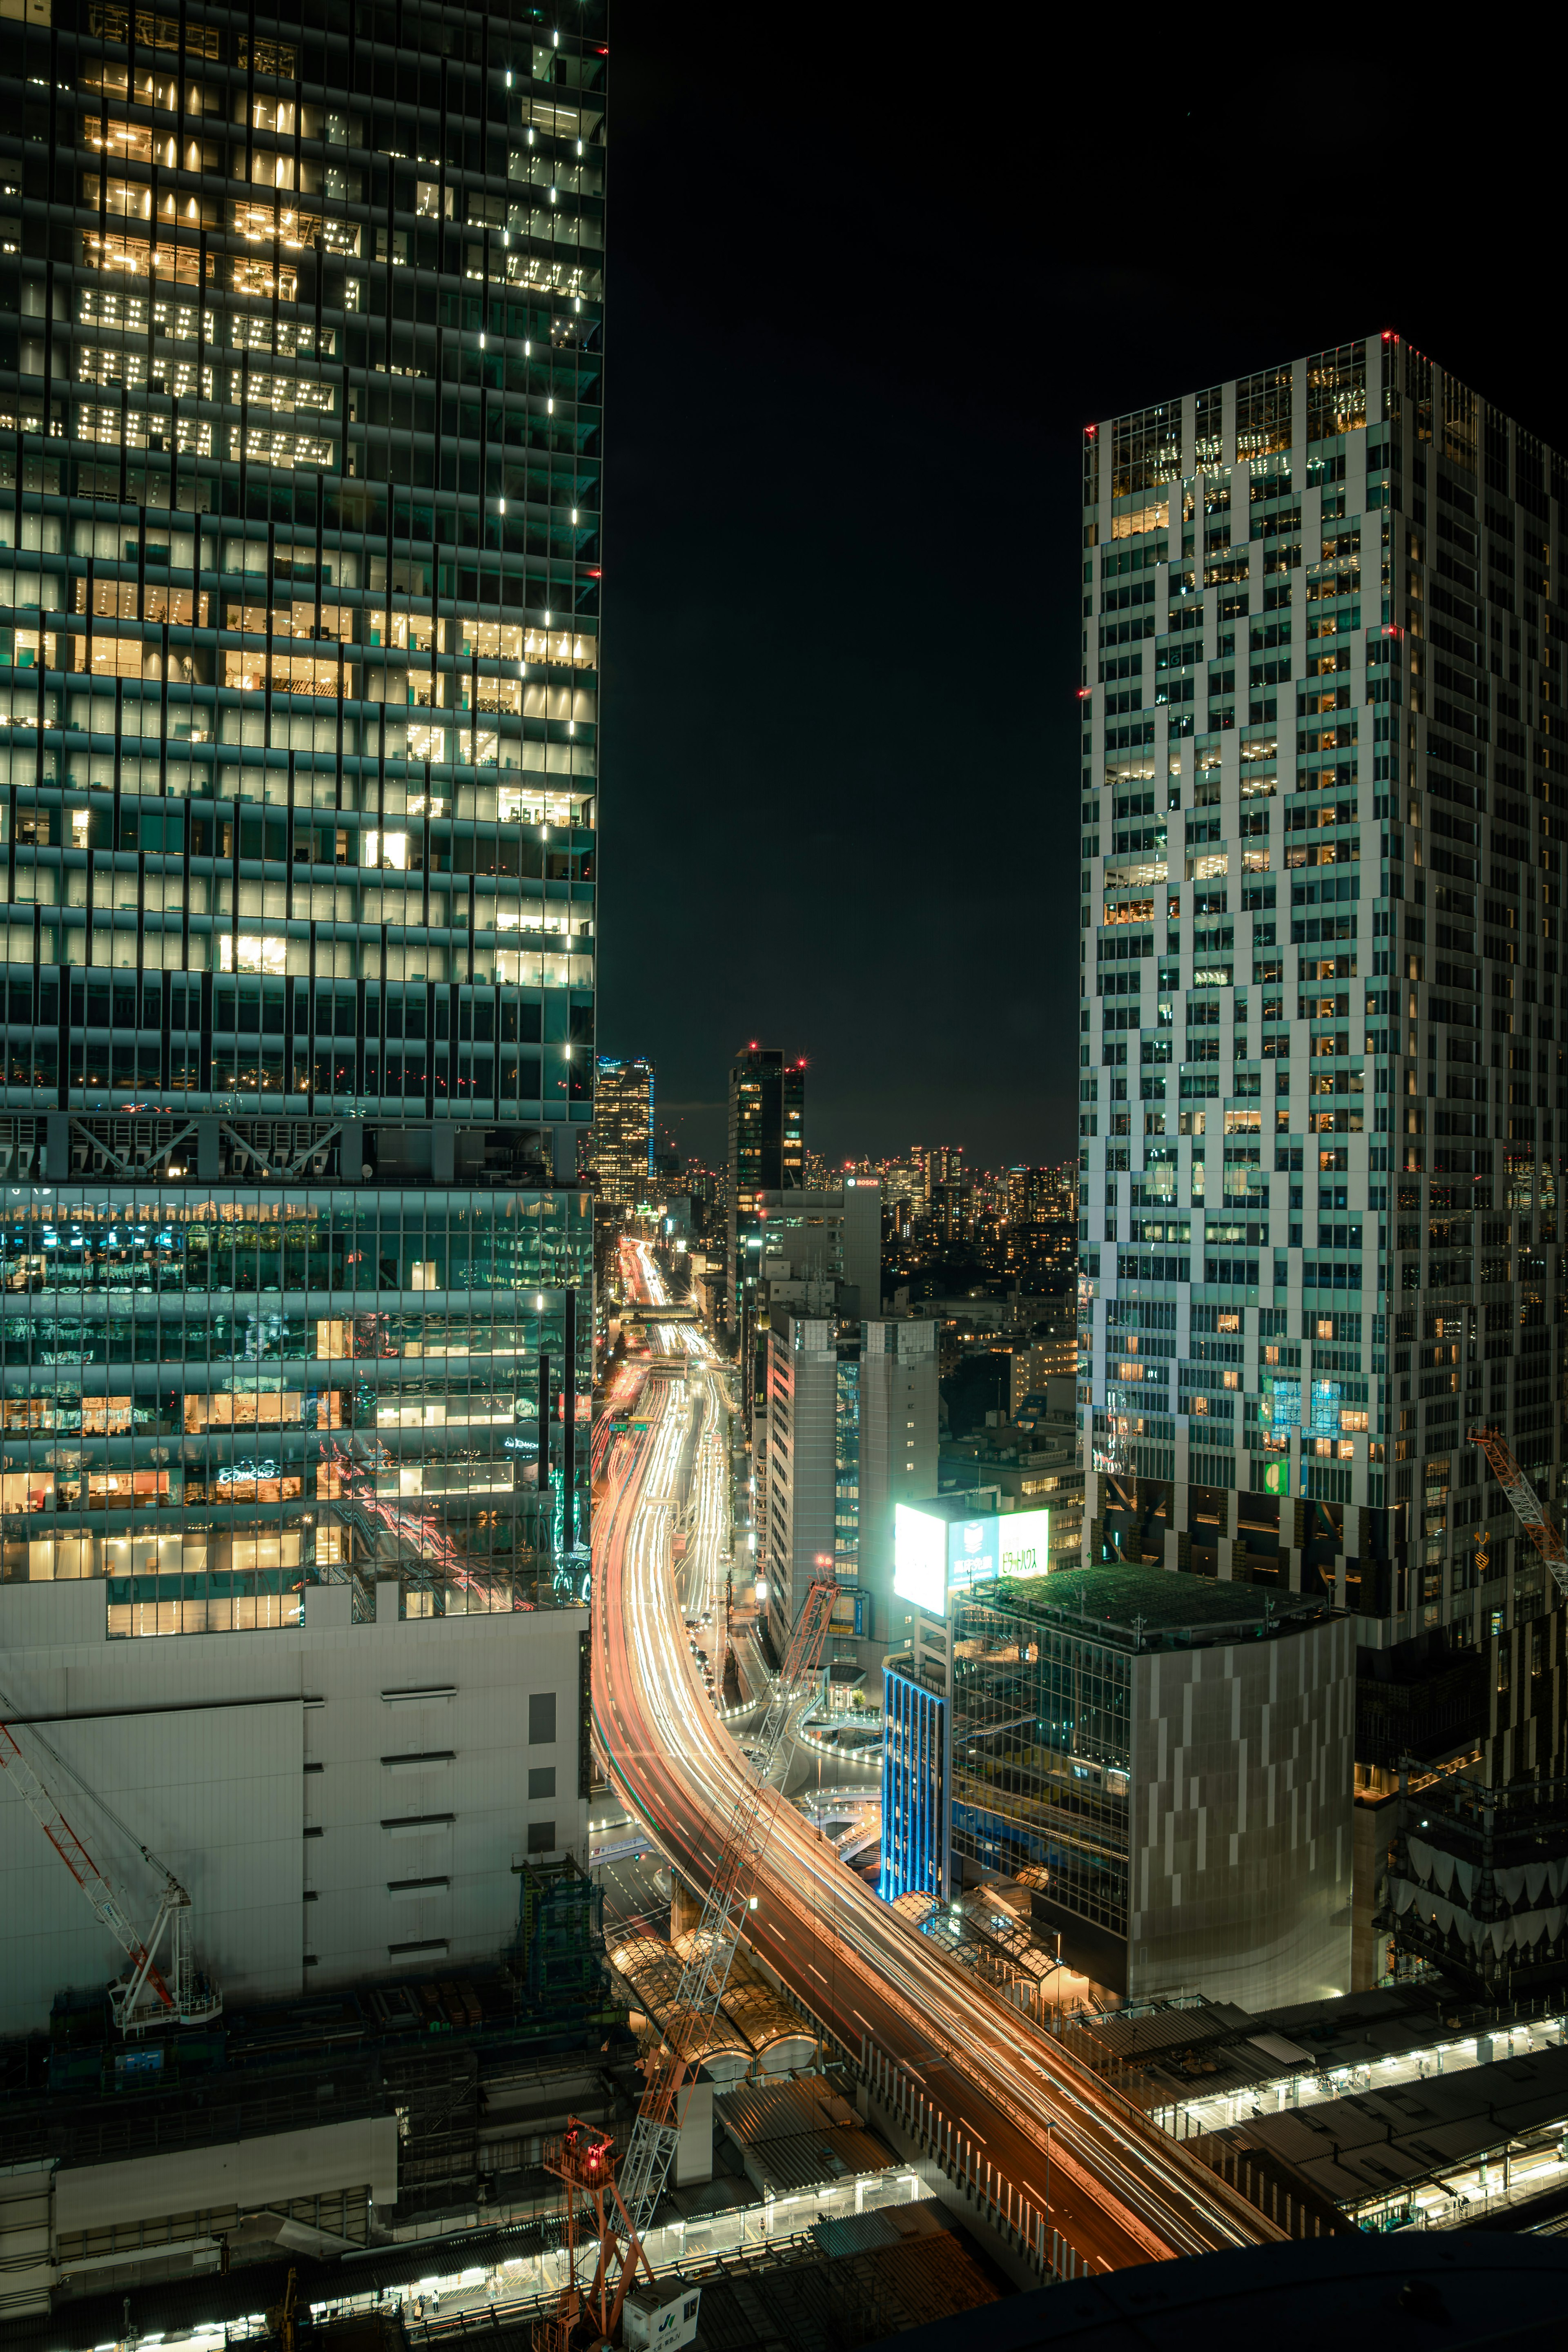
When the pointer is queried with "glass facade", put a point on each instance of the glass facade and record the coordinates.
(915, 1852)
(766, 1153)
(299, 624)
(216, 1401)
(1322, 1086)
(1042, 1754)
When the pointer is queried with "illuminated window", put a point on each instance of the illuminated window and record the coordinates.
(250, 954)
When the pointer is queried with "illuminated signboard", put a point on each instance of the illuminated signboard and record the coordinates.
(920, 1558)
(971, 1552)
(1008, 1543)
(939, 1549)
(1023, 1543)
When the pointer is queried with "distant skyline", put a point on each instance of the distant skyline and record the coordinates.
(687, 1124)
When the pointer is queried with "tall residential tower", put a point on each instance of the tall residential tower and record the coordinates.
(1322, 1100)
(299, 492)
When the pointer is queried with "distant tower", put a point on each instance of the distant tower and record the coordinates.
(620, 1154)
(767, 1149)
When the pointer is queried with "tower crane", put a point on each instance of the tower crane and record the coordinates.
(1527, 1508)
(147, 1996)
(642, 2172)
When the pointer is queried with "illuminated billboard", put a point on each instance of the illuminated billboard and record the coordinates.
(920, 1558)
(997, 1543)
(941, 1547)
(1023, 1543)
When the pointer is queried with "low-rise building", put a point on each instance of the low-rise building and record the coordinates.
(1168, 1760)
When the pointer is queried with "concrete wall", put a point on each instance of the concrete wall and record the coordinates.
(899, 1386)
(1241, 1835)
(266, 1770)
(319, 2158)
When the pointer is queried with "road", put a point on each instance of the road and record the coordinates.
(1117, 2190)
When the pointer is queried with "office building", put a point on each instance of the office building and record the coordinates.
(300, 463)
(917, 1853)
(848, 1430)
(822, 1243)
(949, 1194)
(1031, 1462)
(766, 1149)
(1321, 1090)
(1035, 1217)
(765, 1153)
(1166, 1762)
(621, 1155)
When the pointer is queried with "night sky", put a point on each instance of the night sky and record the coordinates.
(865, 289)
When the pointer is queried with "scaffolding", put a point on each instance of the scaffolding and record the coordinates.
(557, 1959)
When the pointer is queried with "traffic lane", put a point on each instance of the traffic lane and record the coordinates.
(868, 2017)
(690, 1824)
(690, 1830)
(1105, 2164)
(691, 1821)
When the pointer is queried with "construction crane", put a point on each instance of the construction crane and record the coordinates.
(147, 1996)
(701, 1990)
(582, 2160)
(1527, 1508)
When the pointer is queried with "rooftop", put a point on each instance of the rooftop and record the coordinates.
(1152, 1608)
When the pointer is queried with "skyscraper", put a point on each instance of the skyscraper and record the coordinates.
(766, 1152)
(298, 475)
(621, 1149)
(1321, 1094)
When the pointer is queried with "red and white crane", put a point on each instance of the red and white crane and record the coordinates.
(176, 1995)
(1527, 1508)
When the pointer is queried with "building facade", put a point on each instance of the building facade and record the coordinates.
(620, 1154)
(1169, 1760)
(341, 1798)
(298, 458)
(916, 1854)
(765, 1153)
(850, 1430)
(1321, 1094)
(766, 1149)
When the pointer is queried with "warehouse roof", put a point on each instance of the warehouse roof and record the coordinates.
(1152, 1608)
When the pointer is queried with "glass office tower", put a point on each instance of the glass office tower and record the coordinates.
(1322, 1100)
(299, 385)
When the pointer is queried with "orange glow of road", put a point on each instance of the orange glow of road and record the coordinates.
(1120, 2191)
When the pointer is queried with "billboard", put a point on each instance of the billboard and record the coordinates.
(939, 1552)
(920, 1558)
(1023, 1543)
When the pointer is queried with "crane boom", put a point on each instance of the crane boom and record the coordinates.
(706, 1973)
(146, 1997)
(98, 1889)
(1527, 1508)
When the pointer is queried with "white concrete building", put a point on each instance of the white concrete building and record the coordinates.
(341, 1800)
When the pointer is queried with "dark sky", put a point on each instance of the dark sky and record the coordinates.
(866, 283)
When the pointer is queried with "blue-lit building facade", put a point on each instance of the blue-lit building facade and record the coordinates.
(1321, 1084)
(916, 1856)
(299, 547)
